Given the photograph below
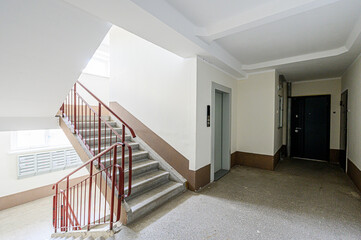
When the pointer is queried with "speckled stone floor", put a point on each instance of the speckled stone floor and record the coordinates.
(300, 200)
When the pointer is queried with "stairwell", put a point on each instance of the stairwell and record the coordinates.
(152, 184)
(127, 178)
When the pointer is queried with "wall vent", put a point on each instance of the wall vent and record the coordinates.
(38, 163)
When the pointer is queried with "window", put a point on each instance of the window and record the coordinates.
(99, 63)
(34, 139)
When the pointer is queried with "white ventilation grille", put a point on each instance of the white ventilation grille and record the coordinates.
(34, 164)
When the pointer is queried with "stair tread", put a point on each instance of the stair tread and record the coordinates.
(152, 195)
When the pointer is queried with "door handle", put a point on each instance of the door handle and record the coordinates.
(298, 128)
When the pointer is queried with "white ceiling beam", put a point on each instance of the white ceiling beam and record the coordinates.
(172, 18)
(295, 59)
(267, 13)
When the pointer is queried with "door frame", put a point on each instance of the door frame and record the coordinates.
(226, 133)
(328, 124)
(342, 132)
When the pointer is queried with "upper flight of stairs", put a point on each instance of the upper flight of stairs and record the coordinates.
(152, 185)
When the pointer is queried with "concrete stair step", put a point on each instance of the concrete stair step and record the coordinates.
(108, 138)
(133, 145)
(137, 155)
(91, 118)
(146, 181)
(152, 199)
(140, 167)
(91, 133)
(87, 124)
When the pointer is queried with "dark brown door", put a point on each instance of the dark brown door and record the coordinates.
(343, 129)
(310, 127)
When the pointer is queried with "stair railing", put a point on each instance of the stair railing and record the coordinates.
(86, 121)
(90, 123)
(90, 202)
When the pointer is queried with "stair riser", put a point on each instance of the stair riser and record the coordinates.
(136, 190)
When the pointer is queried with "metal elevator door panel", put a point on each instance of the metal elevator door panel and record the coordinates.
(218, 122)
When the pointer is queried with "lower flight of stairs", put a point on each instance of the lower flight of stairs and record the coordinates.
(152, 184)
(81, 238)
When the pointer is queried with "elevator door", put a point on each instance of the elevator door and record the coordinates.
(218, 131)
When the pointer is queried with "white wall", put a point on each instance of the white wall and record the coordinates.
(351, 81)
(322, 87)
(98, 85)
(44, 47)
(206, 74)
(157, 87)
(9, 182)
(256, 113)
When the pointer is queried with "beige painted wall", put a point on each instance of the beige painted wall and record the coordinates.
(321, 87)
(256, 113)
(351, 81)
(9, 182)
(206, 74)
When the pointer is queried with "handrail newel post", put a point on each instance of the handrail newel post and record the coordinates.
(99, 131)
(90, 193)
(56, 208)
(67, 207)
(75, 119)
(120, 190)
(115, 149)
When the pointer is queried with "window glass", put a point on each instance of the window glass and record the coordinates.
(32, 139)
(99, 63)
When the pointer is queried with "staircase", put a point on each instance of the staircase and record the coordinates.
(81, 238)
(125, 182)
(151, 185)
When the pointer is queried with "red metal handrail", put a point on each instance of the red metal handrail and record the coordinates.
(106, 107)
(77, 112)
(74, 209)
(75, 108)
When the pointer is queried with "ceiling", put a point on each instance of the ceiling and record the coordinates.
(302, 39)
